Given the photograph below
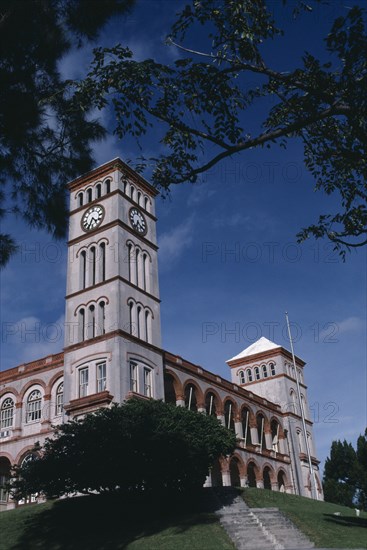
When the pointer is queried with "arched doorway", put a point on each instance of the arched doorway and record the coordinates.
(4, 478)
(281, 481)
(216, 474)
(169, 389)
(234, 472)
(266, 478)
(260, 421)
(190, 397)
(211, 404)
(229, 412)
(251, 475)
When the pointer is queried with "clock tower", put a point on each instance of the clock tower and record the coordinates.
(112, 321)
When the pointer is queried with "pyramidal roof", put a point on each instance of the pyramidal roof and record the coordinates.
(263, 344)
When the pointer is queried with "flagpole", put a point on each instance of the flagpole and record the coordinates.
(312, 472)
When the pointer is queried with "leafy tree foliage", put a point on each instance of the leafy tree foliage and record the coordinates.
(44, 135)
(138, 446)
(345, 474)
(204, 102)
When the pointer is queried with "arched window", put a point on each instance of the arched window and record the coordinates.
(272, 369)
(245, 419)
(108, 186)
(266, 478)
(190, 397)
(101, 320)
(242, 377)
(131, 317)
(92, 265)
(265, 371)
(132, 193)
(139, 318)
(144, 274)
(210, 404)
(59, 404)
(83, 268)
(98, 191)
(81, 325)
(251, 474)
(300, 440)
(148, 326)
(80, 199)
(139, 197)
(92, 322)
(146, 204)
(33, 411)
(257, 373)
(102, 262)
(249, 375)
(229, 415)
(137, 263)
(89, 195)
(6, 413)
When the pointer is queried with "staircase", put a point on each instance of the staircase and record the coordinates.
(256, 528)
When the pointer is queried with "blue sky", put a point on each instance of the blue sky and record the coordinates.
(229, 262)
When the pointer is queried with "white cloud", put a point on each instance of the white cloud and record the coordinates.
(232, 220)
(172, 244)
(350, 324)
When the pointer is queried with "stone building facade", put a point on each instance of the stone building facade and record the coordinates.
(113, 351)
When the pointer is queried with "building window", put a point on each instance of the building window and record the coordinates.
(83, 382)
(98, 191)
(147, 382)
(83, 268)
(101, 324)
(257, 373)
(272, 369)
(59, 405)
(101, 377)
(108, 186)
(229, 415)
(133, 377)
(265, 371)
(89, 195)
(102, 250)
(242, 377)
(7, 414)
(93, 265)
(249, 375)
(191, 398)
(81, 325)
(210, 404)
(33, 413)
(80, 199)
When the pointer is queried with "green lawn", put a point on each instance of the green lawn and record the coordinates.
(96, 523)
(316, 519)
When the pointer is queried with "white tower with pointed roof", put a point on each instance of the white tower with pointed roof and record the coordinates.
(267, 370)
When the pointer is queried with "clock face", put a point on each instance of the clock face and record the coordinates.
(137, 221)
(93, 217)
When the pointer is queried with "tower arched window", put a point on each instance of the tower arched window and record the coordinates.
(241, 376)
(92, 253)
(272, 369)
(102, 262)
(92, 322)
(101, 319)
(139, 321)
(249, 375)
(257, 373)
(146, 204)
(138, 267)
(144, 271)
(33, 411)
(6, 413)
(264, 371)
(131, 317)
(89, 195)
(81, 325)
(83, 268)
(98, 191)
(139, 198)
(107, 186)
(132, 193)
(80, 199)
(59, 404)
